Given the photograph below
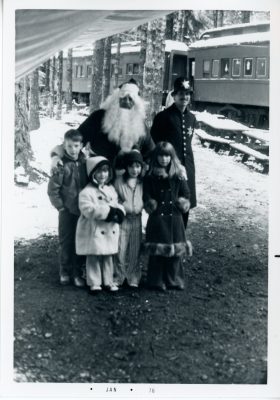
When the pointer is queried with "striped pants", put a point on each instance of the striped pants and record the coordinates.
(127, 261)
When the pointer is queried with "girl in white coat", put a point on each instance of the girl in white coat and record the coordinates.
(97, 232)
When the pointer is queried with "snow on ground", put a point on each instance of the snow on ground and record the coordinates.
(35, 215)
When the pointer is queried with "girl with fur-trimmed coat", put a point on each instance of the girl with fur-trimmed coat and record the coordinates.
(166, 198)
(97, 233)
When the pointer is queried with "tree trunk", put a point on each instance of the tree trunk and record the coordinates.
(215, 18)
(51, 96)
(117, 62)
(246, 16)
(106, 68)
(169, 26)
(59, 84)
(34, 121)
(153, 68)
(142, 56)
(221, 18)
(97, 73)
(23, 153)
(47, 83)
(69, 74)
(26, 91)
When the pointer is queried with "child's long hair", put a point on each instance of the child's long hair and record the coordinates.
(165, 148)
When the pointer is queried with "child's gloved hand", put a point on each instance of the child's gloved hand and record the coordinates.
(182, 173)
(183, 204)
(120, 215)
(115, 215)
(55, 164)
(150, 206)
(87, 151)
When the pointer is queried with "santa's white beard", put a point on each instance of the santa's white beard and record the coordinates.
(124, 127)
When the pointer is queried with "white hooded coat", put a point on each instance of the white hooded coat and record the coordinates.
(95, 236)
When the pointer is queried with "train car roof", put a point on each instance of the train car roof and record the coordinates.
(233, 40)
(127, 47)
(134, 46)
(245, 26)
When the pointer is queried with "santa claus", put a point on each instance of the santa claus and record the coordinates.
(117, 127)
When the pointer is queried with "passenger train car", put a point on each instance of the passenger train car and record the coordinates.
(228, 68)
(175, 64)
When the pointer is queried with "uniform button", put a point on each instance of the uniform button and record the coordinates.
(114, 232)
(170, 214)
(161, 214)
(170, 202)
(162, 202)
(103, 233)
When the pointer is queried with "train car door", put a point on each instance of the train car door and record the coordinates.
(178, 67)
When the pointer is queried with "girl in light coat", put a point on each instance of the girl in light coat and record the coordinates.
(130, 190)
(97, 234)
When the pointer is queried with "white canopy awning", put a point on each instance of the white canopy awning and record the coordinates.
(42, 33)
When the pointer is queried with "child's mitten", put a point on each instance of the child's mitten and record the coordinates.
(112, 216)
(119, 215)
(150, 206)
(183, 204)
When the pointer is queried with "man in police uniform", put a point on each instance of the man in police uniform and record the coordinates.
(176, 125)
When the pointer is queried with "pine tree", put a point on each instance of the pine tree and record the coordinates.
(59, 84)
(51, 96)
(23, 153)
(34, 121)
(97, 73)
(117, 62)
(153, 68)
(47, 82)
(142, 57)
(169, 26)
(69, 74)
(106, 68)
(246, 16)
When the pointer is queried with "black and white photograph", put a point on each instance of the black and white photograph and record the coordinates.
(140, 219)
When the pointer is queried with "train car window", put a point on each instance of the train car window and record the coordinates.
(76, 71)
(79, 71)
(89, 70)
(261, 67)
(206, 68)
(248, 67)
(129, 69)
(135, 69)
(224, 67)
(215, 68)
(236, 67)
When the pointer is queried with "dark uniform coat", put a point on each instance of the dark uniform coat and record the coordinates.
(165, 232)
(92, 132)
(170, 125)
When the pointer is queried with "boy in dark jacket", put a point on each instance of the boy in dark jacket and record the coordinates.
(63, 190)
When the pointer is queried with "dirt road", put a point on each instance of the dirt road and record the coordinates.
(213, 332)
